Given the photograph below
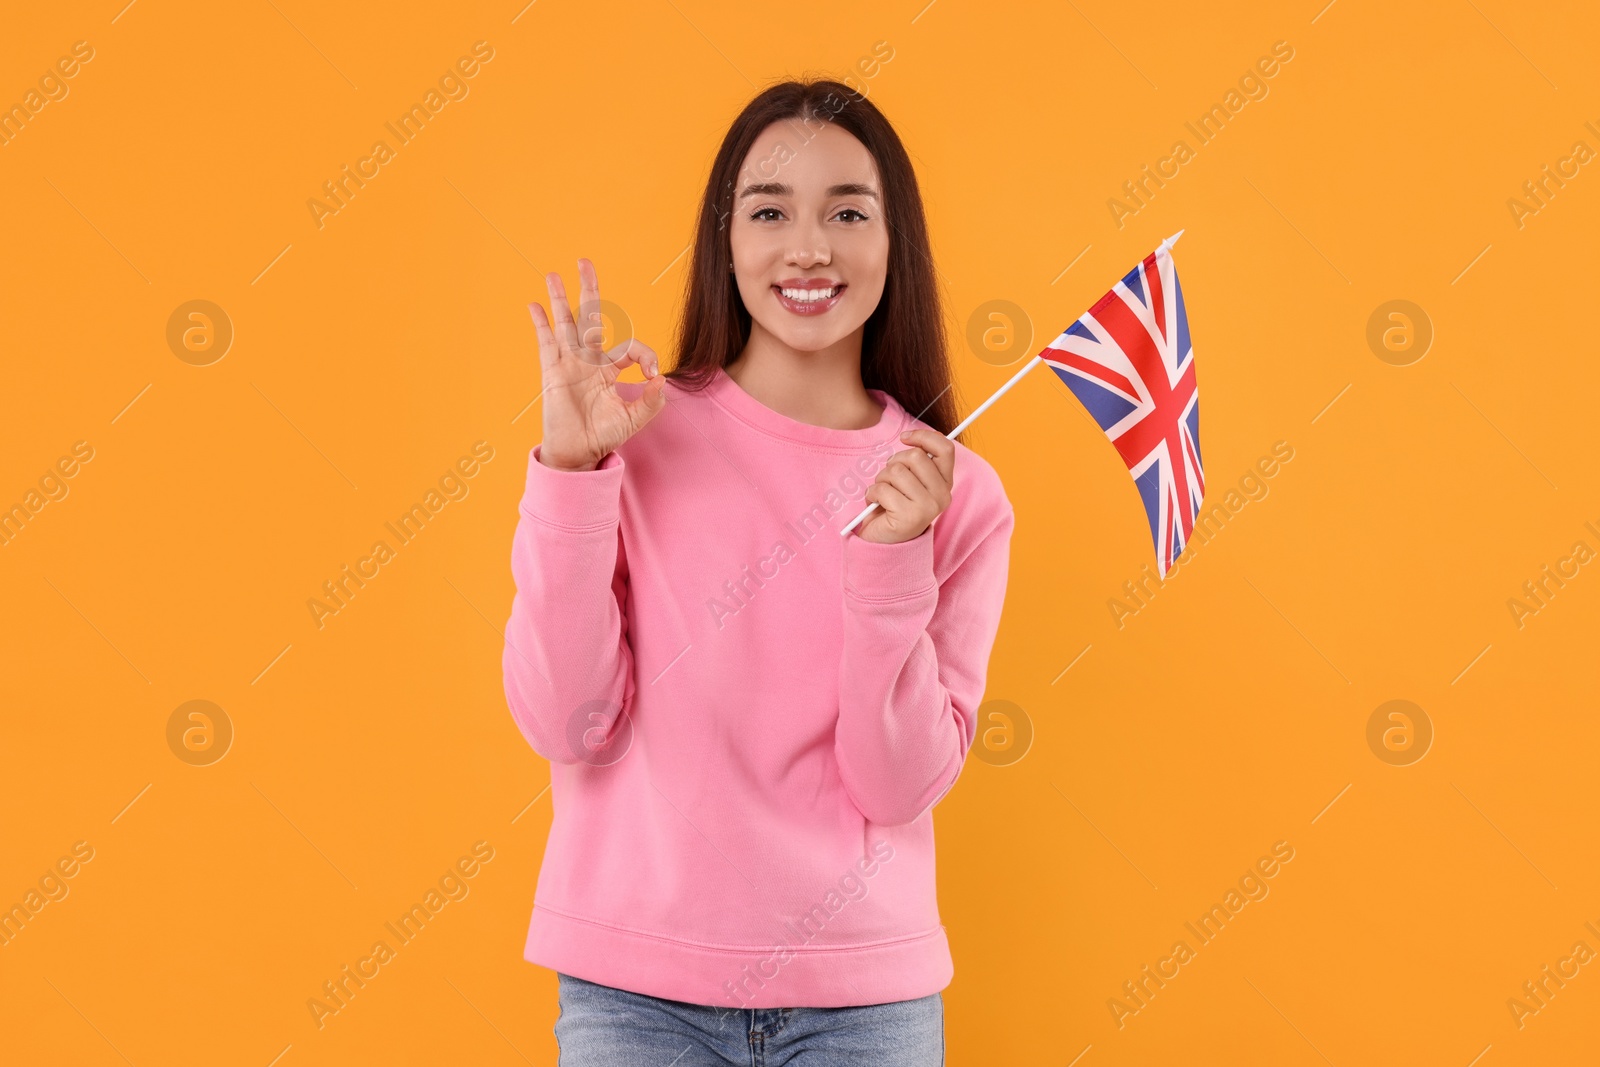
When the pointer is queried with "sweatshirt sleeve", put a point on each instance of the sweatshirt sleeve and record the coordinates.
(914, 664)
(567, 664)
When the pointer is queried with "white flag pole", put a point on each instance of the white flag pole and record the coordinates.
(1166, 246)
(981, 408)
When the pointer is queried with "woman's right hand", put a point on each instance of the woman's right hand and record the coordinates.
(584, 417)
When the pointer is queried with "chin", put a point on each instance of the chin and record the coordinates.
(810, 336)
(808, 340)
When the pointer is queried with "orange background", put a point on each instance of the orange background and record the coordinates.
(1229, 713)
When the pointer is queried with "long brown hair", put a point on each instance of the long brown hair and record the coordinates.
(903, 347)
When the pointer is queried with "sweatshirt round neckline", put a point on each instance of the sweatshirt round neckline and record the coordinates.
(732, 397)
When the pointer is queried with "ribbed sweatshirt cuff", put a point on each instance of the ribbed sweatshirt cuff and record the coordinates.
(874, 572)
(574, 500)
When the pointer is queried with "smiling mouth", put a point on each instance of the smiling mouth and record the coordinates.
(809, 301)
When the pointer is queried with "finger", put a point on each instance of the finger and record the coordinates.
(591, 331)
(890, 499)
(909, 485)
(634, 351)
(936, 444)
(566, 330)
(923, 466)
(549, 350)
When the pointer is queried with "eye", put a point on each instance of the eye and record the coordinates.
(766, 215)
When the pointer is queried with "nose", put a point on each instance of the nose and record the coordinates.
(810, 247)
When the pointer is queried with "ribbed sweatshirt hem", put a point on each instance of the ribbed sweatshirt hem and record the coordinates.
(811, 977)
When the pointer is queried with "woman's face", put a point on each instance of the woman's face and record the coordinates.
(808, 221)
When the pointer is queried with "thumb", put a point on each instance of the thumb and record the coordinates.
(651, 399)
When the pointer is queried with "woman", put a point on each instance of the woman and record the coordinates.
(748, 716)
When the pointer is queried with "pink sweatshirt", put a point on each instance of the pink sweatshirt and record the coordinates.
(748, 717)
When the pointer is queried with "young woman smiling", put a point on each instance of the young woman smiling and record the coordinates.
(740, 867)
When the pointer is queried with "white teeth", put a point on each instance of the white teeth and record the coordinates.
(806, 296)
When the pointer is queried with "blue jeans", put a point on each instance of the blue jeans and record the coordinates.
(604, 1027)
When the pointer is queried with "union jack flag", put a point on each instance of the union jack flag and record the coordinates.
(1128, 360)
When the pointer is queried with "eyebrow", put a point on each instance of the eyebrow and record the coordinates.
(782, 189)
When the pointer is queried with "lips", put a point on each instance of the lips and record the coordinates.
(816, 305)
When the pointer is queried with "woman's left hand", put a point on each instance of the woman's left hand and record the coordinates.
(912, 488)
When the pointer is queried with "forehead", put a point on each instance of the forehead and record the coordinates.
(809, 157)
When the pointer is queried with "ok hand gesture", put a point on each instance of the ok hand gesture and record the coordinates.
(584, 417)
